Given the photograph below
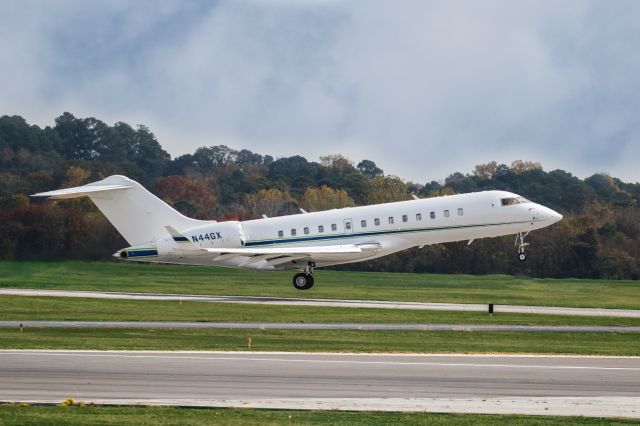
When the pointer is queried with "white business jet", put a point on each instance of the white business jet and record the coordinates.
(158, 233)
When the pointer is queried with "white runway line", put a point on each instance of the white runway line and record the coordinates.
(317, 326)
(324, 361)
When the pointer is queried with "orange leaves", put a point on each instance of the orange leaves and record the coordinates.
(191, 197)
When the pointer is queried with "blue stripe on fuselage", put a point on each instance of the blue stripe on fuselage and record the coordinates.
(141, 253)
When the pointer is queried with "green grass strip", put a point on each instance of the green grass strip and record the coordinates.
(11, 415)
(324, 341)
(498, 289)
(59, 308)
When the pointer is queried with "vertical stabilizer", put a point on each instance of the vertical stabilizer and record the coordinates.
(138, 215)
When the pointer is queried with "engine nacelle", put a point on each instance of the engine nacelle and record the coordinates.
(217, 234)
(211, 235)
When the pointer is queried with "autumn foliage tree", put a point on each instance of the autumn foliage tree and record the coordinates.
(192, 198)
(385, 189)
(269, 202)
(599, 236)
(325, 198)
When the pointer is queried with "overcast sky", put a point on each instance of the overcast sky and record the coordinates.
(423, 88)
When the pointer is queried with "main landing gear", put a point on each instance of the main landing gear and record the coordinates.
(521, 245)
(304, 280)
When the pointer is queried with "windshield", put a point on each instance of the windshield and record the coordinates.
(514, 200)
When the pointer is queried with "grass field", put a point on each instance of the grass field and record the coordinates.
(160, 416)
(121, 276)
(324, 341)
(128, 276)
(60, 308)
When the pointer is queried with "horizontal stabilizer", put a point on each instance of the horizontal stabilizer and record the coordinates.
(80, 191)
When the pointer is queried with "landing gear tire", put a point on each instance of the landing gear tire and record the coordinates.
(521, 244)
(302, 281)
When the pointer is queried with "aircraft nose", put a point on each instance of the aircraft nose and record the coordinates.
(546, 215)
(552, 215)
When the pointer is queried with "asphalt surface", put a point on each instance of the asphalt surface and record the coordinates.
(562, 385)
(318, 326)
(626, 313)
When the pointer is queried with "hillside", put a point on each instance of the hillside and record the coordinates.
(600, 236)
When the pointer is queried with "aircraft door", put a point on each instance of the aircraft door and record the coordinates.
(348, 226)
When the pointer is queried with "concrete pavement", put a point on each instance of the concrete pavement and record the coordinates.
(551, 385)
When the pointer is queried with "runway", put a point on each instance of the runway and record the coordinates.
(319, 326)
(551, 385)
(546, 310)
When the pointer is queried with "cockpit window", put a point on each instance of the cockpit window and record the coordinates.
(514, 200)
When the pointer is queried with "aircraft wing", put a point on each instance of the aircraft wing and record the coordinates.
(350, 248)
(262, 258)
(272, 257)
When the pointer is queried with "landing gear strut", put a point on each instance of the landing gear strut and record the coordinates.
(521, 245)
(304, 280)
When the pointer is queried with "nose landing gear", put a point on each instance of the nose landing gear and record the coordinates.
(304, 280)
(521, 245)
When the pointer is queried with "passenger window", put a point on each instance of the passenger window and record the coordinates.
(293, 232)
(390, 220)
(306, 230)
(376, 221)
(280, 234)
(446, 213)
(334, 227)
(418, 216)
(347, 226)
(460, 212)
(405, 218)
(432, 215)
(363, 223)
(321, 229)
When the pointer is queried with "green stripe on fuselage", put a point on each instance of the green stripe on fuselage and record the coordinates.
(316, 237)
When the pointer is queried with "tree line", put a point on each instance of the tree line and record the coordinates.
(599, 237)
